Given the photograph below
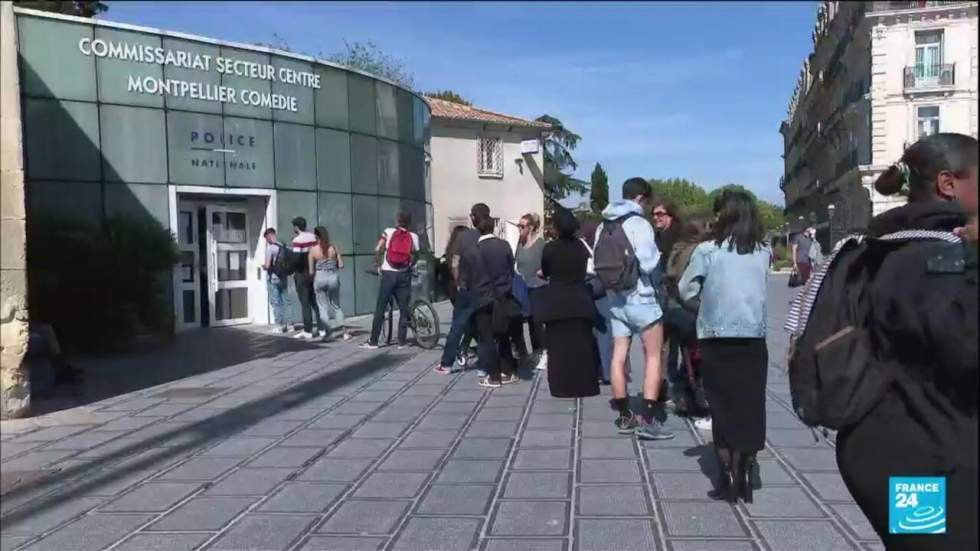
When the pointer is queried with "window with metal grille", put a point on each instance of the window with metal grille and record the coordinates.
(490, 161)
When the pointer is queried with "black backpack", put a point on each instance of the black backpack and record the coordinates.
(833, 376)
(616, 265)
(286, 262)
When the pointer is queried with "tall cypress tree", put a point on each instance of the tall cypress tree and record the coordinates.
(600, 188)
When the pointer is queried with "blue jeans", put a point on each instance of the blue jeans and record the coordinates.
(462, 314)
(278, 298)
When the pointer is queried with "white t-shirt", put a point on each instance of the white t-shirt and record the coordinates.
(385, 267)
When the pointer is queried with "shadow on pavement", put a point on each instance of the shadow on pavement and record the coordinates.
(707, 461)
(82, 479)
(192, 353)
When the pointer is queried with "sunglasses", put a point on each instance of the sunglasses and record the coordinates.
(660, 213)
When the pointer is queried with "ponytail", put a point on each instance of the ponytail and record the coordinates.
(915, 174)
(894, 180)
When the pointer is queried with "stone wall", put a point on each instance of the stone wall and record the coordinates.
(14, 382)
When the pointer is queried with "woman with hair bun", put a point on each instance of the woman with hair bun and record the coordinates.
(922, 325)
(566, 308)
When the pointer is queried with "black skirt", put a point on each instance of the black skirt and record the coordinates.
(734, 374)
(573, 369)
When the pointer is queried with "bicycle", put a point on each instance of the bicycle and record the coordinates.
(423, 321)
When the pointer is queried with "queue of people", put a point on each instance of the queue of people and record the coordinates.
(695, 296)
(603, 285)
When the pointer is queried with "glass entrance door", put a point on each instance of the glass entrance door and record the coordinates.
(228, 265)
(188, 272)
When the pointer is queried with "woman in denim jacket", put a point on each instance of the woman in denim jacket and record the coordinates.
(729, 272)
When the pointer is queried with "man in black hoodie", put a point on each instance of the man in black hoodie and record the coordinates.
(491, 280)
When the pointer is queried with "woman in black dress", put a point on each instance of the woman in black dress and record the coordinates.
(567, 310)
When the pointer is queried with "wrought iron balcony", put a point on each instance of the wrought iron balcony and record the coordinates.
(923, 77)
(914, 5)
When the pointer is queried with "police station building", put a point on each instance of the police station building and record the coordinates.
(216, 142)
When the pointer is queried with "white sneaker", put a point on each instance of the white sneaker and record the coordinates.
(303, 335)
(542, 362)
(703, 423)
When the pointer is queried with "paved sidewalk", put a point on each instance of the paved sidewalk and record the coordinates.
(332, 447)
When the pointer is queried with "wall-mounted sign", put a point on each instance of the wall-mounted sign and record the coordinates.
(199, 90)
(225, 144)
(529, 147)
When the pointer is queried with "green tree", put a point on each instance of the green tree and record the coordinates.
(559, 142)
(734, 187)
(772, 215)
(80, 9)
(600, 188)
(367, 57)
(691, 198)
(278, 43)
(448, 95)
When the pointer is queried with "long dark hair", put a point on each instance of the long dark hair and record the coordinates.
(737, 220)
(323, 239)
(918, 169)
(453, 238)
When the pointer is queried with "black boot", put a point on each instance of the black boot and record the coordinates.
(725, 488)
(741, 466)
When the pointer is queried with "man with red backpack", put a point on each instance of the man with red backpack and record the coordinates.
(395, 256)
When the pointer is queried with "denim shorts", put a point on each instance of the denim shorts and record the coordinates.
(631, 319)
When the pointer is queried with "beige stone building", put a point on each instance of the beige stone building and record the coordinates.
(14, 383)
(481, 156)
(881, 76)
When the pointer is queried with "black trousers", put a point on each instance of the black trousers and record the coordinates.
(734, 373)
(399, 286)
(889, 442)
(307, 302)
(534, 327)
(494, 350)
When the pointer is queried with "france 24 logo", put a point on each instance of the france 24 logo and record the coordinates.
(917, 505)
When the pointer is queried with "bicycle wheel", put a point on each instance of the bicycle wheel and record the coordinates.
(425, 324)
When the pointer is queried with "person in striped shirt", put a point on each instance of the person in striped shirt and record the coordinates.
(303, 241)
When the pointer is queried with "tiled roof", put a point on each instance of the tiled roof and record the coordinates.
(443, 109)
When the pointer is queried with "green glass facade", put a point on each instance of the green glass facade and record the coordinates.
(348, 155)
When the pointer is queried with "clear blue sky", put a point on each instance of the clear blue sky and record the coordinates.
(663, 89)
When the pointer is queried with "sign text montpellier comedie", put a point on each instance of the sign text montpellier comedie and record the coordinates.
(199, 90)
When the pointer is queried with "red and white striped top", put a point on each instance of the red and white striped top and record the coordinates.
(303, 242)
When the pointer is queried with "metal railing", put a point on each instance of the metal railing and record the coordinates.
(930, 76)
(914, 5)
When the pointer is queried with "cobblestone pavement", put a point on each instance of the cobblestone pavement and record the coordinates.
(332, 447)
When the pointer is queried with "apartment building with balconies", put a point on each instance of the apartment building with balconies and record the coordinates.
(881, 76)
